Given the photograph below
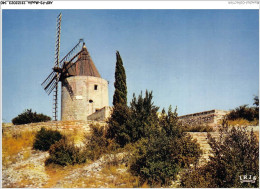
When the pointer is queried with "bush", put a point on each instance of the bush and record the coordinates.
(160, 146)
(244, 112)
(198, 128)
(117, 125)
(159, 157)
(64, 153)
(235, 153)
(198, 177)
(129, 124)
(45, 138)
(143, 116)
(97, 144)
(29, 117)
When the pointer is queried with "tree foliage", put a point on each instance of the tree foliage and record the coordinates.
(120, 94)
(65, 153)
(160, 146)
(256, 101)
(159, 157)
(118, 125)
(129, 124)
(29, 117)
(235, 153)
(143, 116)
(45, 138)
(246, 112)
(97, 143)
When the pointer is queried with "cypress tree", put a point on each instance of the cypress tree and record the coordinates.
(117, 121)
(120, 95)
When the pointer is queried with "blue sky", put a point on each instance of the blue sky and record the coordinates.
(196, 60)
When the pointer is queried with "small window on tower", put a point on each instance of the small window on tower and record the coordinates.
(95, 87)
(90, 101)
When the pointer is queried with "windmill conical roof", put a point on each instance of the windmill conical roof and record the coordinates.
(84, 65)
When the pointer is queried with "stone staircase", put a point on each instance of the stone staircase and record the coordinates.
(201, 138)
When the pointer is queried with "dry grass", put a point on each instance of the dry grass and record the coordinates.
(56, 173)
(17, 142)
(112, 176)
(243, 122)
(75, 135)
(119, 177)
(109, 177)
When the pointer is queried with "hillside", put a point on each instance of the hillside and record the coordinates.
(24, 167)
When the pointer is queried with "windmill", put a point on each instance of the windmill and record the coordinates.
(83, 91)
(59, 72)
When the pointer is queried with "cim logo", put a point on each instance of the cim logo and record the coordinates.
(247, 178)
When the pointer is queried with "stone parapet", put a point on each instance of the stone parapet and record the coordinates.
(211, 117)
(80, 125)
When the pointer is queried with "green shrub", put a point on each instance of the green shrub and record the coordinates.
(244, 112)
(117, 125)
(235, 153)
(159, 157)
(98, 144)
(65, 153)
(160, 146)
(198, 177)
(29, 117)
(45, 138)
(143, 116)
(129, 124)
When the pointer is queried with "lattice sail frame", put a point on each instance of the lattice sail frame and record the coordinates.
(56, 65)
(51, 83)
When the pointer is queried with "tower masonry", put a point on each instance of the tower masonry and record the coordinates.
(84, 93)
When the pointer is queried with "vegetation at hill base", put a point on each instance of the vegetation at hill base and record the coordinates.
(129, 124)
(64, 152)
(160, 148)
(14, 143)
(154, 158)
(197, 128)
(28, 116)
(45, 138)
(97, 144)
(234, 154)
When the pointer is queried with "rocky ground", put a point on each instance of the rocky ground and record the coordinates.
(28, 173)
(32, 173)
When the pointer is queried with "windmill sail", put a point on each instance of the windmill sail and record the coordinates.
(60, 72)
(56, 64)
(61, 68)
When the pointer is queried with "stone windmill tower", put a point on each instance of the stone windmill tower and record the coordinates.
(84, 93)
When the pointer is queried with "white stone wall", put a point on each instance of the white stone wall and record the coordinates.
(211, 117)
(100, 115)
(85, 99)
